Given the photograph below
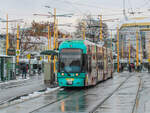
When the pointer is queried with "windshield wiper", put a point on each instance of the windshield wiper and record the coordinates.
(66, 72)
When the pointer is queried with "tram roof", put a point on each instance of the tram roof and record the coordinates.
(87, 42)
(73, 44)
(78, 44)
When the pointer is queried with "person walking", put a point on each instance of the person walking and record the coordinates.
(39, 69)
(24, 71)
(133, 67)
(149, 68)
(130, 70)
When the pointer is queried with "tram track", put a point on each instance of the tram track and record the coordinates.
(93, 110)
(86, 90)
(69, 96)
(55, 101)
(135, 107)
(10, 99)
(89, 96)
(141, 104)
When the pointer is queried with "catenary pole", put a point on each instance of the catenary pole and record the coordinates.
(129, 52)
(137, 49)
(48, 41)
(122, 49)
(7, 37)
(117, 49)
(141, 53)
(54, 36)
(17, 42)
(101, 36)
(83, 30)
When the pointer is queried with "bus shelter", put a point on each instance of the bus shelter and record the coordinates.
(7, 68)
(50, 67)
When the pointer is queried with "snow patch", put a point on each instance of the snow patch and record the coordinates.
(50, 90)
(19, 79)
(33, 95)
(61, 89)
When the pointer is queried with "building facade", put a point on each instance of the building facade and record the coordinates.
(131, 31)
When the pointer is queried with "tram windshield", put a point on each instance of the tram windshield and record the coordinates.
(70, 60)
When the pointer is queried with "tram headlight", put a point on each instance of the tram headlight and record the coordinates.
(62, 74)
(77, 74)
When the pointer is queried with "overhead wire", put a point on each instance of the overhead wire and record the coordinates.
(144, 4)
(70, 3)
(73, 4)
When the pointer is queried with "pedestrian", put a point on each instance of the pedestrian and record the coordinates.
(132, 67)
(39, 69)
(24, 71)
(141, 67)
(27, 68)
(138, 68)
(122, 67)
(149, 67)
(130, 70)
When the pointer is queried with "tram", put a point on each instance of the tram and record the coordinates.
(83, 63)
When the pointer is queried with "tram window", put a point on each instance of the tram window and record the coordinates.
(85, 63)
(89, 64)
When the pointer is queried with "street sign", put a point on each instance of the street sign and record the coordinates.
(17, 52)
(40, 58)
(28, 56)
(11, 52)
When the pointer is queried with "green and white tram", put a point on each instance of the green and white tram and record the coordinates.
(83, 63)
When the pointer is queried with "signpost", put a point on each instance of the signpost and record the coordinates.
(17, 52)
(29, 57)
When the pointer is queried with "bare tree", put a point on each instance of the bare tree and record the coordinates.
(92, 28)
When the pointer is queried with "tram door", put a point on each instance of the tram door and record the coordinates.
(109, 65)
(94, 64)
(105, 64)
(2, 69)
(100, 63)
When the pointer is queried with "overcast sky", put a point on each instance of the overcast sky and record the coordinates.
(26, 8)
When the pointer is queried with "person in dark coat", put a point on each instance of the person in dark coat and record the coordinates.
(130, 69)
(149, 67)
(24, 71)
(39, 69)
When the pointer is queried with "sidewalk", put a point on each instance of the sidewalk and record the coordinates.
(14, 88)
(18, 80)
